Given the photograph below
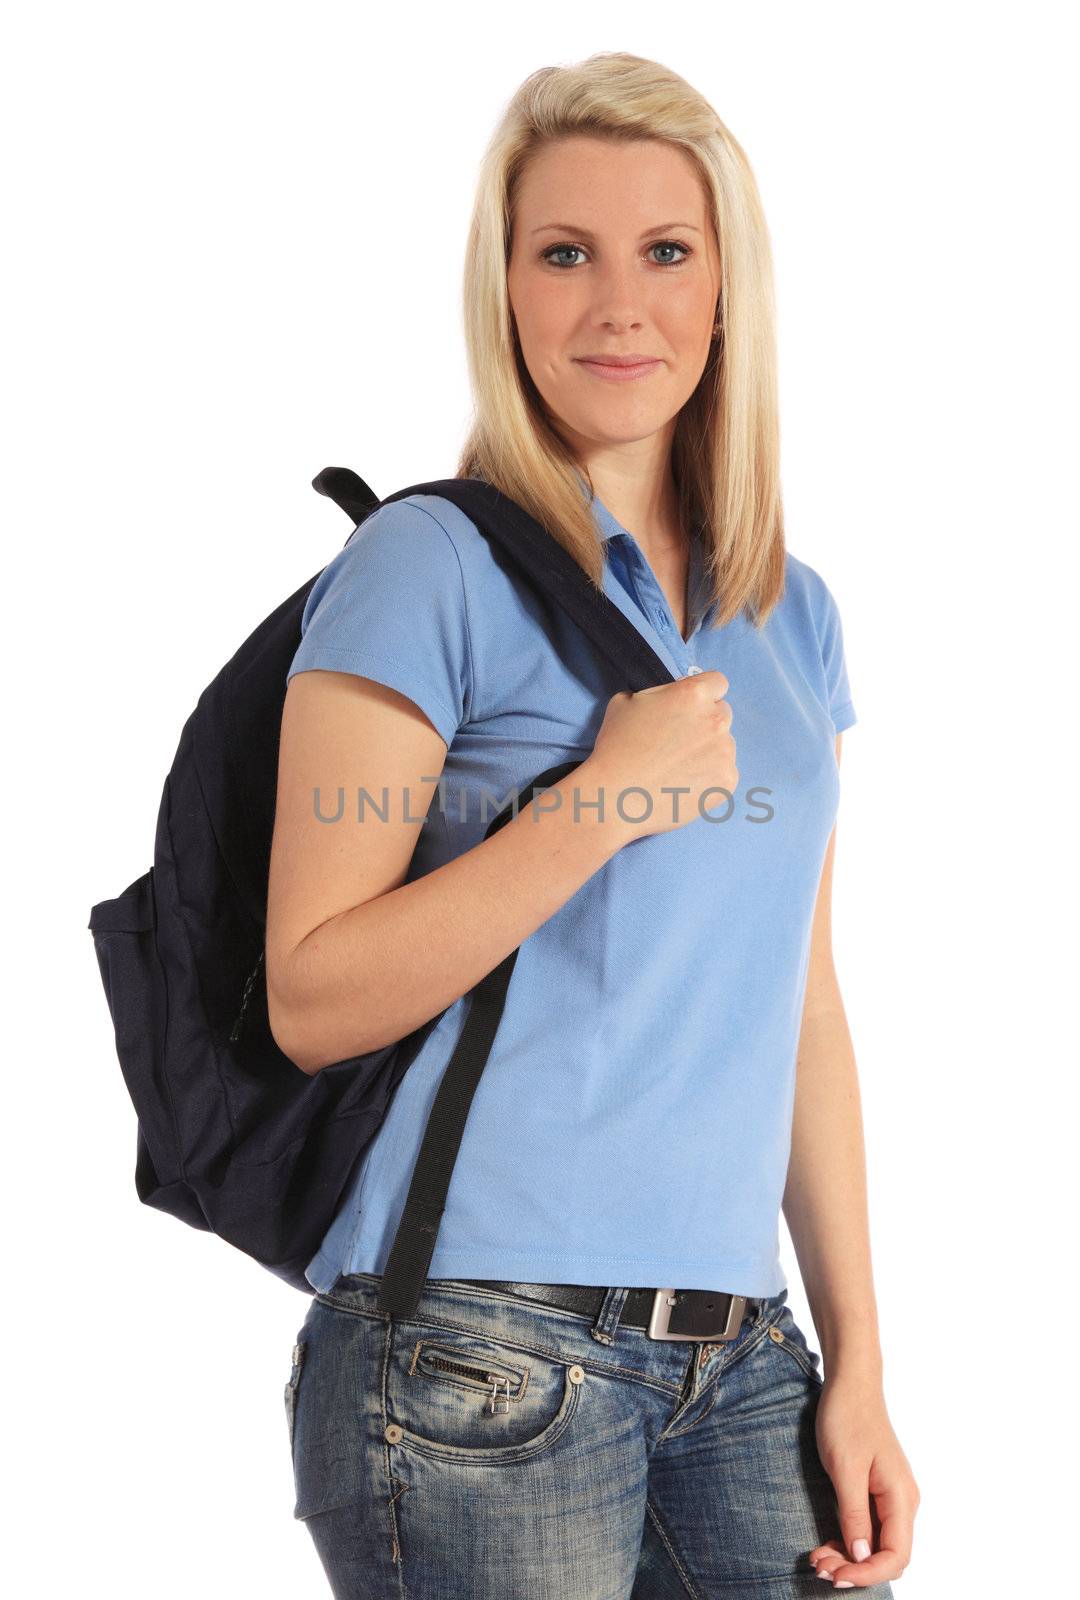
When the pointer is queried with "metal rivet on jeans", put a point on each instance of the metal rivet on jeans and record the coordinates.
(576, 1375)
(776, 1335)
(392, 1434)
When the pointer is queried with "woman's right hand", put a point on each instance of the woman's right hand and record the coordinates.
(675, 736)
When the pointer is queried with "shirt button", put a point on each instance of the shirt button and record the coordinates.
(691, 670)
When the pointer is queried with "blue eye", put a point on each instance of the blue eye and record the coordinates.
(570, 249)
(561, 249)
(670, 244)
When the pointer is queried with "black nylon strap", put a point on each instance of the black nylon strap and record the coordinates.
(414, 1243)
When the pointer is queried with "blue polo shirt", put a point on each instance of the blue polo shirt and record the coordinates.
(632, 1125)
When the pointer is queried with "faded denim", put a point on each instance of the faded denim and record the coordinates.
(491, 1448)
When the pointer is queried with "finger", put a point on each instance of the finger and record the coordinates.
(894, 1515)
(882, 1566)
(887, 1561)
(826, 1557)
(853, 1506)
(898, 1530)
(829, 1548)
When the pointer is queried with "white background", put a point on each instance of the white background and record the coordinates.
(235, 236)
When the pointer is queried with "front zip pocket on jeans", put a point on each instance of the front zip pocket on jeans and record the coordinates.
(470, 1397)
(499, 1382)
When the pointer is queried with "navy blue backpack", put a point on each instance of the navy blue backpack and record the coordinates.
(232, 1136)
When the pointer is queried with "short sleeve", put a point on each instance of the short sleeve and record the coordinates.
(831, 638)
(391, 606)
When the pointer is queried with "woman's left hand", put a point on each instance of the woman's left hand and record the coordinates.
(876, 1493)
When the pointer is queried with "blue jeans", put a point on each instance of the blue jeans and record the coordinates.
(492, 1448)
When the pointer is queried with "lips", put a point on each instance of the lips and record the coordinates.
(618, 369)
(633, 359)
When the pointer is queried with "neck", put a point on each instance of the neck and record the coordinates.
(646, 507)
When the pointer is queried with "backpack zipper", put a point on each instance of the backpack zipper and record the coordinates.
(237, 1027)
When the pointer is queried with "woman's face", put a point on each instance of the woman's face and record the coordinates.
(613, 254)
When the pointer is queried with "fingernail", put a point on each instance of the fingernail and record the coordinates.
(844, 1583)
(861, 1550)
(823, 1574)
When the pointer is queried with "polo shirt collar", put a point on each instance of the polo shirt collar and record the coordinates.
(698, 594)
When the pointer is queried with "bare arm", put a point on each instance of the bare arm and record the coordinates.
(356, 957)
(825, 1206)
(825, 1202)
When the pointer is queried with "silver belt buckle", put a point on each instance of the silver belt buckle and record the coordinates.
(664, 1302)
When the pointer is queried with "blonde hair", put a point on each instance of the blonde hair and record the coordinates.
(726, 448)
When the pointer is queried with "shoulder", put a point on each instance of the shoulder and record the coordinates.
(416, 514)
(493, 590)
(804, 583)
(418, 522)
(807, 597)
(426, 525)
(400, 551)
(392, 606)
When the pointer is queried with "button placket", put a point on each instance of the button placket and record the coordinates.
(660, 613)
(635, 607)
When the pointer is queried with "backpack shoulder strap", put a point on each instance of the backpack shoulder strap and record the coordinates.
(540, 558)
(551, 571)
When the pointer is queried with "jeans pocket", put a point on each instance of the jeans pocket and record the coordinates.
(465, 1397)
(786, 1334)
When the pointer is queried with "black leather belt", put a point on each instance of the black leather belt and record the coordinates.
(707, 1314)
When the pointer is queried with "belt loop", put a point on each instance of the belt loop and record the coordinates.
(603, 1329)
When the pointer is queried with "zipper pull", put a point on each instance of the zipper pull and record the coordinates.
(504, 1401)
(237, 1027)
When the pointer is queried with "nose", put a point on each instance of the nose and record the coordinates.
(617, 304)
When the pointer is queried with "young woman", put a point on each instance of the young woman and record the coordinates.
(673, 1065)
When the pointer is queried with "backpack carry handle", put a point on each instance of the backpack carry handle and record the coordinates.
(348, 490)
